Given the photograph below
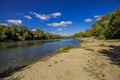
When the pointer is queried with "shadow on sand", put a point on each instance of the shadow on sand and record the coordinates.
(19, 77)
(10, 71)
(113, 54)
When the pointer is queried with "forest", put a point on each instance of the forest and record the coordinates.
(18, 33)
(108, 27)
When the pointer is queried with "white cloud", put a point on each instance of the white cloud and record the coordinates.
(4, 24)
(28, 17)
(59, 29)
(42, 16)
(33, 30)
(62, 23)
(96, 16)
(46, 16)
(32, 12)
(57, 14)
(88, 20)
(16, 22)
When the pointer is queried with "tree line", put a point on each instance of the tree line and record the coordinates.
(16, 33)
(108, 27)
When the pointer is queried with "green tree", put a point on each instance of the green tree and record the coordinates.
(27, 35)
(113, 31)
(38, 34)
(13, 30)
(14, 33)
(4, 31)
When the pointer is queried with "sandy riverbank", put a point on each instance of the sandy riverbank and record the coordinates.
(92, 61)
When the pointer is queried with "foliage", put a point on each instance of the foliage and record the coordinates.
(65, 49)
(113, 31)
(15, 33)
(108, 27)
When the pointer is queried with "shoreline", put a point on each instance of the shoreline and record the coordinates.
(11, 70)
(69, 63)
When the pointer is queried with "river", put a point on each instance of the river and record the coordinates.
(19, 53)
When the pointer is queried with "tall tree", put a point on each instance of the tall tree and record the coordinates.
(113, 31)
(13, 30)
(38, 34)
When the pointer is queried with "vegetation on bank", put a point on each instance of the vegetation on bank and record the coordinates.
(15, 33)
(108, 27)
(65, 49)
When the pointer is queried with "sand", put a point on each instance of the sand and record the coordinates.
(83, 63)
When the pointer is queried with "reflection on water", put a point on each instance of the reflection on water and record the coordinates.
(6, 45)
(24, 52)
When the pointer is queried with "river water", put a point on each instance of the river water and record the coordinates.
(24, 52)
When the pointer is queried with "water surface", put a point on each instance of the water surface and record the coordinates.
(24, 52)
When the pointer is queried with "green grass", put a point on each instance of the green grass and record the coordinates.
(65, 49)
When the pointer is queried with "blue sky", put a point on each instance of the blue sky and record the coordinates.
(64, 17)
